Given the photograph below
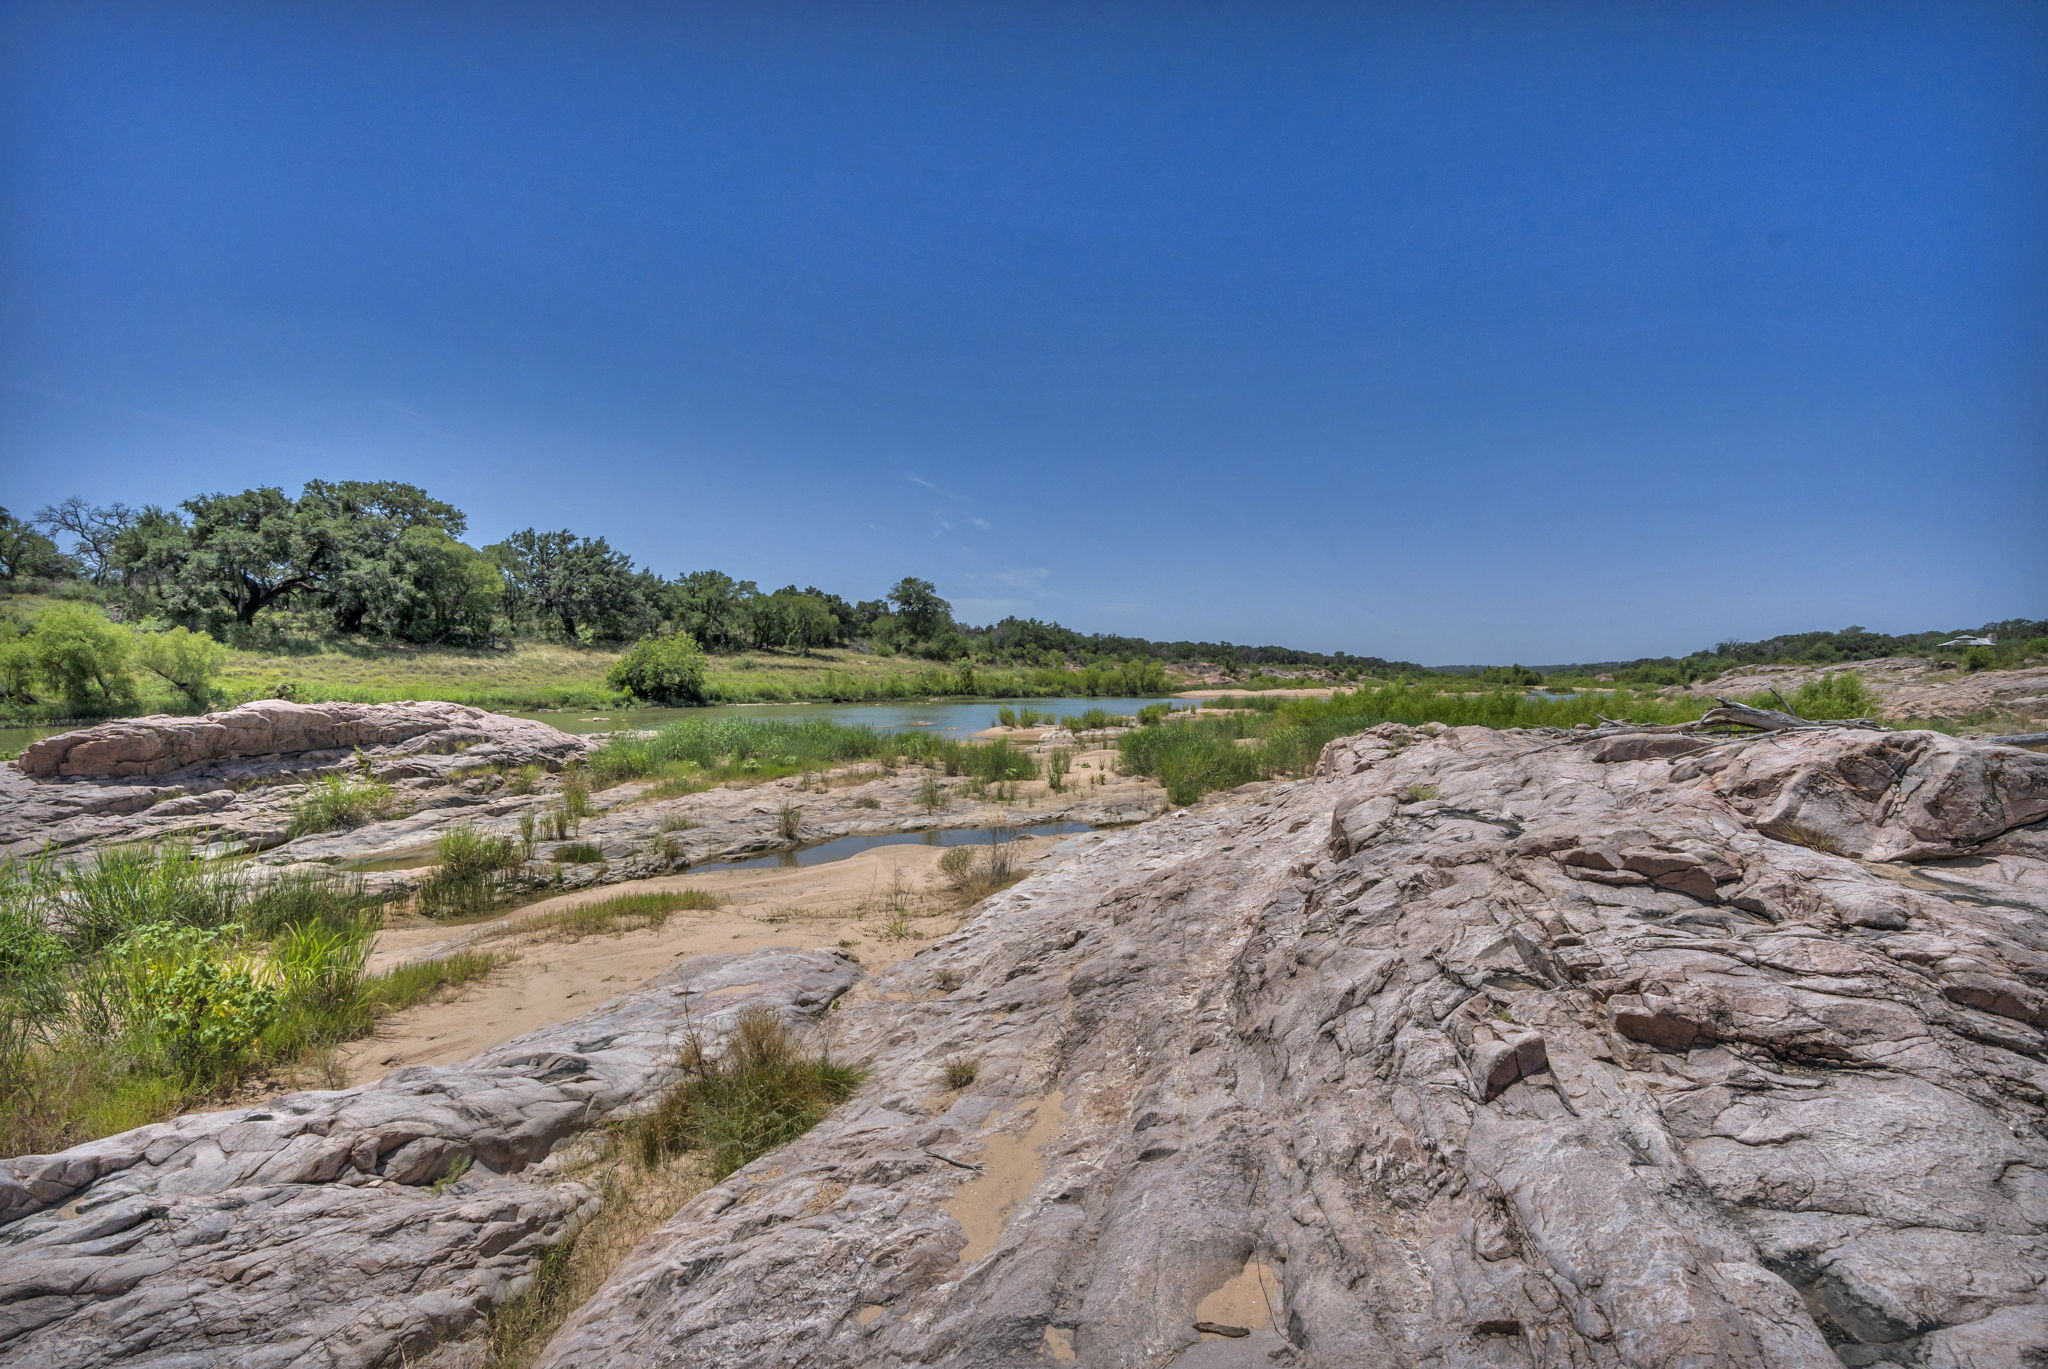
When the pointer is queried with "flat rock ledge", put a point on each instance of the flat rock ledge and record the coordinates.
(313, 1231)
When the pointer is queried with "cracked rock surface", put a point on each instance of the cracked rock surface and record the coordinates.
(1721, 1060)
(338, 1228)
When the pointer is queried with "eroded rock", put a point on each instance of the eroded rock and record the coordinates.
(1467, 1108)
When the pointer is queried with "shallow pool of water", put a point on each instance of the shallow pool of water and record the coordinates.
(951, 718)
(839, 848)
(409, 858)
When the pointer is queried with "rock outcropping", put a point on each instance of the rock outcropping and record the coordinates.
(1472, 1050)
(313, 1230)
(1567, 1063)
(216, 775)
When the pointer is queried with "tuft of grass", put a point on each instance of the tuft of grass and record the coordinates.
(866, 801)
(610, 916)
(931, 795)
(575, 795)
(416, 981)
(762, 1092)
(1796, 834)
(1420, 793)
(975, 872)
(471, 875)
(961, 1071)
(789, 821)
(336, 802)
(577, 853)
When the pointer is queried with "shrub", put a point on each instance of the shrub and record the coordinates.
(1839, 694)
(180, 990)
(661, 670)
(961, 1071)
(75, 650)
(189, 660)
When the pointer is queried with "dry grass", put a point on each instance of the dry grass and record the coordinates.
(637, 1199)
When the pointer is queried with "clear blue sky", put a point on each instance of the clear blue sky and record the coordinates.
(1454, 332)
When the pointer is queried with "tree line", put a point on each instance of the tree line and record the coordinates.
(386, 560)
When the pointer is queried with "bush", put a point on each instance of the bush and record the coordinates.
(151, 979)
(183, 990)
(661, 670)
(77, 652)
(1841, 694)
(187, 659)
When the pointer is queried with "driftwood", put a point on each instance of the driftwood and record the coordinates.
(2017, 739)
(1729, 721)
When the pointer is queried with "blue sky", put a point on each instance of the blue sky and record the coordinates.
(1448, 332)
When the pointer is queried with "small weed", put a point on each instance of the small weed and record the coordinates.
(789, 821)
(1420, 793)
(961, 1071)
(675, 822)
(458, 1168)
(867, 801)
(577, 853)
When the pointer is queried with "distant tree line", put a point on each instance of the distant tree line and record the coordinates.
(2014, 640)
(385, 560)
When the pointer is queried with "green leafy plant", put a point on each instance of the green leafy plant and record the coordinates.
(662, 670)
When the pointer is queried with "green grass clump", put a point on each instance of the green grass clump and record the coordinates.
(577, 853)
(619, 913)
(724, 748)
(416, 981)
(1198, 756)
(334, 802)
(762, 1092)
(471, 875)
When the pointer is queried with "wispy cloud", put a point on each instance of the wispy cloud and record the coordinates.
(955, 512)
(1019, 577)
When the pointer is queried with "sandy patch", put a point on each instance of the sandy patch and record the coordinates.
(1011, 1167)
(846, 905)
(1249, 1299)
